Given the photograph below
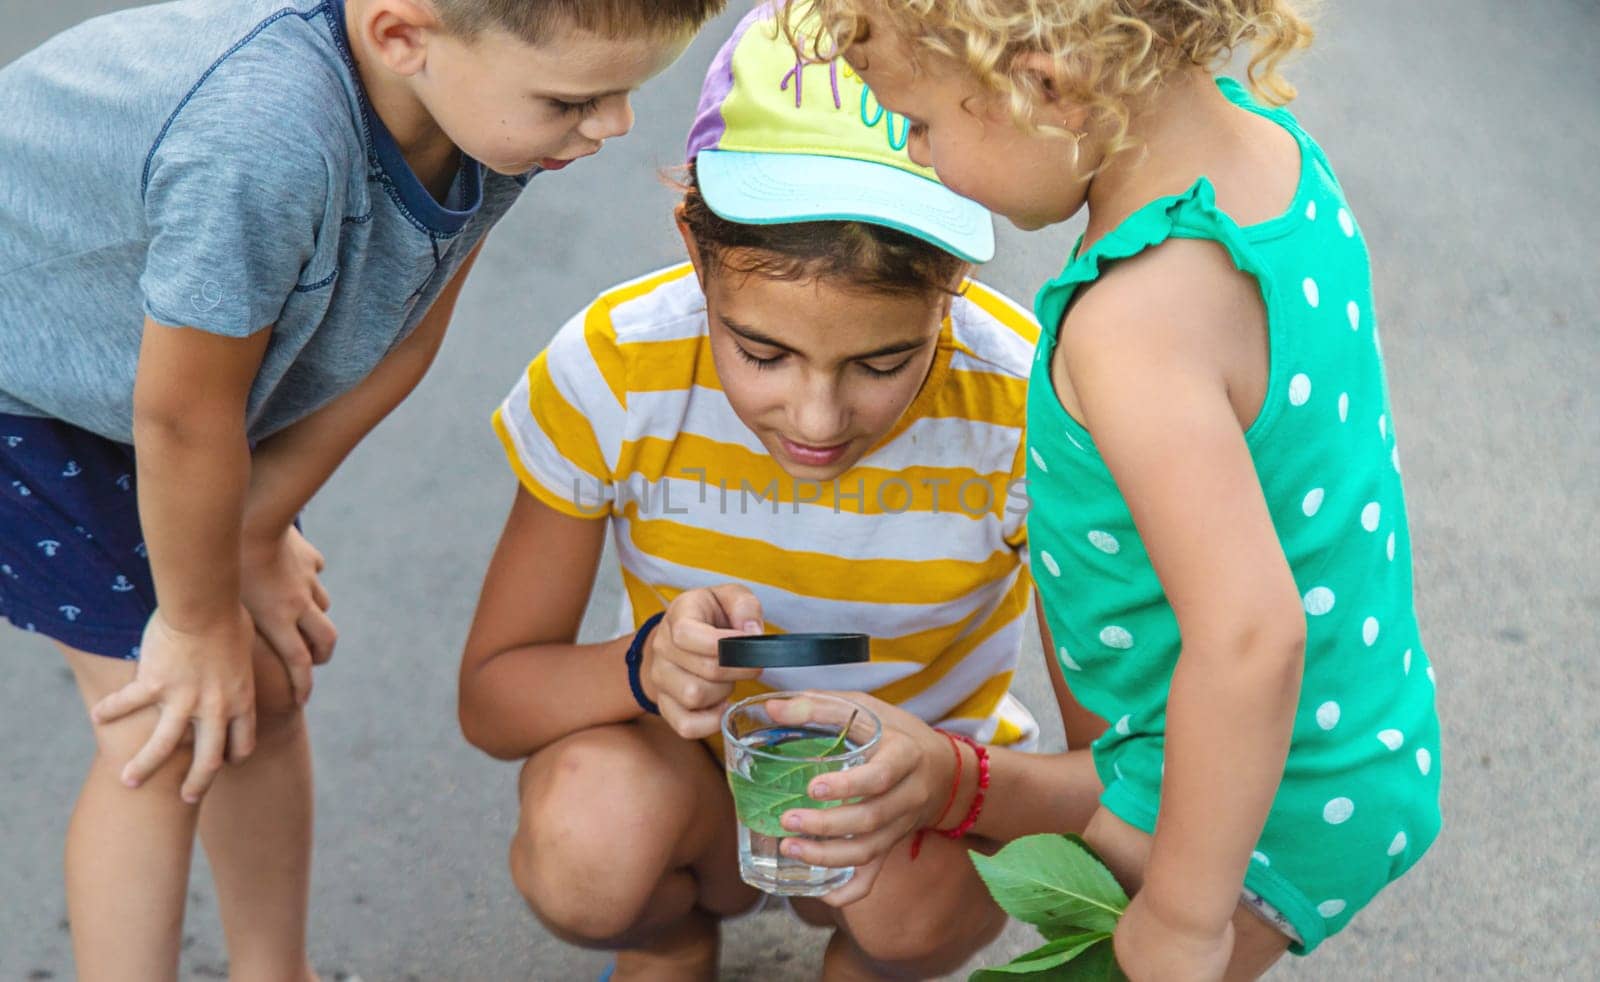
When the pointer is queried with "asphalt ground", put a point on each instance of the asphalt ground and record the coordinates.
(1465, 132)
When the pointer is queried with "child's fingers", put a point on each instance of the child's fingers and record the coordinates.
(131, 698)
(791, 712)
(688, 690)
(163, 741)
(210, 742)
(690, 720)
(895, 811)
(857, 887)
(896, 760)
(306, 549)
(320, 597)
(710, 671)
(697, 637)
(692, 724)
(741, 609)
(241, 737)
(320, 635)
(800, 710)
(835, 853)
(700, 666)
(291, 649)
(883, 773)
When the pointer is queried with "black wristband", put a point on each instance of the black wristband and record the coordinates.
(635, 658)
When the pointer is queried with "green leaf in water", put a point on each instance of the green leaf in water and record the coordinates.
(775, 786)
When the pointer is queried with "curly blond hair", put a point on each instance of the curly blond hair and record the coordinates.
(1114, 53)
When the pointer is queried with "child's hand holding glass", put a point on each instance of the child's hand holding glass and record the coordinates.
(905, 786)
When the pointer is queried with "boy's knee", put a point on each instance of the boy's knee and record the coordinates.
(583, 856)
(918, 933)
(275, 700)
(120, 741)
(279, 718)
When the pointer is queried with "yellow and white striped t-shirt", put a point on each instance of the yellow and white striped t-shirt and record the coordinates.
(920, 545)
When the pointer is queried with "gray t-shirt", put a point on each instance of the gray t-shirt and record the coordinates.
(211, 164)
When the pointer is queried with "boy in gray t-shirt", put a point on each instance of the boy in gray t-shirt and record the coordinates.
(231, 236)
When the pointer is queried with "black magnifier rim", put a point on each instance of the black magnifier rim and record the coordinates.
(792, 650)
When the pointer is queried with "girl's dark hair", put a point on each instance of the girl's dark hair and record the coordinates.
(872, 257)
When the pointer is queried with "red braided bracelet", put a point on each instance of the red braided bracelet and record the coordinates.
(967, 823)
(955, 786)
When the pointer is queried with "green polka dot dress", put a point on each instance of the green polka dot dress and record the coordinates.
(1359, 801)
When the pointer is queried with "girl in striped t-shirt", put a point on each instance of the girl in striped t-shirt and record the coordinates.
(814, 425)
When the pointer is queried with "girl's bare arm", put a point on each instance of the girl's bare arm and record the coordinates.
(1153, 354)
(525, 682)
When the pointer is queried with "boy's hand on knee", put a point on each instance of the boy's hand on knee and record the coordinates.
(281, 588)
(680, 672)
(201, 678)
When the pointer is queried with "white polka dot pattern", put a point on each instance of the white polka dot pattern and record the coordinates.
(1319, 600)
(1050, 563)
(1116, 637)
(1328, 715)
(1105, 542)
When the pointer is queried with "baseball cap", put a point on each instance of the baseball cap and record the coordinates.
(779, 137)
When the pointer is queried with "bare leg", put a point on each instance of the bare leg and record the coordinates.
(255, 824)
(1257, 946)
(626, 841)
(922, 919)
(128, 850)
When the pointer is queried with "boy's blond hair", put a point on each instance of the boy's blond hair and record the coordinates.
(533, 21)
(1113, 52)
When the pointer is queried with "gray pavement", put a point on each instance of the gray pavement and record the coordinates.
(1465, 131)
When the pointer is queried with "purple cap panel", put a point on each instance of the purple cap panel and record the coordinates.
(709, 126)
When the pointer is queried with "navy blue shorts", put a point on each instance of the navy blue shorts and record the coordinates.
(72, 558)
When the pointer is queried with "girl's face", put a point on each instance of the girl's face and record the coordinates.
(819, 370)
(969, 138)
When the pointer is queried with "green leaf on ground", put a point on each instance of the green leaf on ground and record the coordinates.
(1044, 964)
(1098, 963)
(1054, 882)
